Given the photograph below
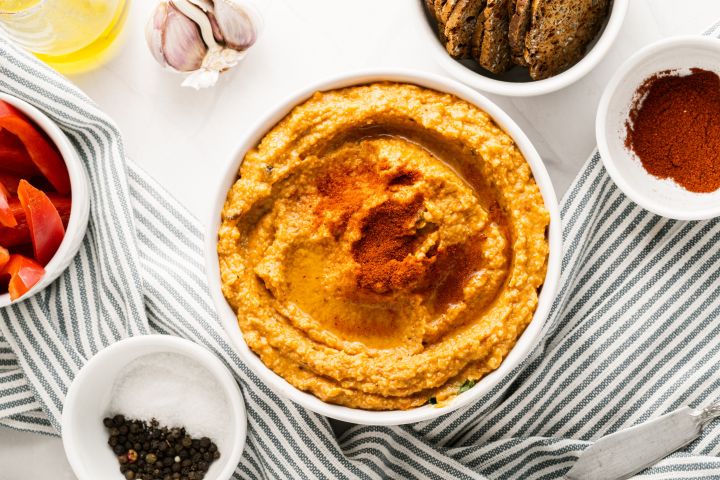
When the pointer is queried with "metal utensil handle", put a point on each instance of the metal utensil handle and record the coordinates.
(708, 413)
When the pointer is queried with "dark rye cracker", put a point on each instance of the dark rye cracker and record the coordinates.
(460, 27)
(447, 10)
(434, 8)
(519, 26)
(560, 32)
(477, 36)
(438, 8)
(495, 51)
(430, 6)
(446, 7)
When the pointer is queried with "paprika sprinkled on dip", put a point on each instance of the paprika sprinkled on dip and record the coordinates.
(674, 128)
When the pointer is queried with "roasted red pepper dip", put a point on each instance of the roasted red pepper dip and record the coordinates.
(34, 201)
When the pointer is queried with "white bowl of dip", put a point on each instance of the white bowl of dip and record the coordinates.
(390, 417)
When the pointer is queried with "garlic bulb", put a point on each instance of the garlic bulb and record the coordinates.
(201, 37)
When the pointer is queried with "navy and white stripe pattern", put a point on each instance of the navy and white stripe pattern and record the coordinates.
(633, 333)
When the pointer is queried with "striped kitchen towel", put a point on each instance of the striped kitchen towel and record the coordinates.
(634, 331)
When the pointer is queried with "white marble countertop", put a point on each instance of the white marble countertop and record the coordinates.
(184, 138)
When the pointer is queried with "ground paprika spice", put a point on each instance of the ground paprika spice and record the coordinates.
(674, 128)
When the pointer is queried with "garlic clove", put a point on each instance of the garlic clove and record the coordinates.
(182, 44)
(207, 7)
(204, 5)
(153, 32)
(237, 23)
(217, 34)
(200, 17)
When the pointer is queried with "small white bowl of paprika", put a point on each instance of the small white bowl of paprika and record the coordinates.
(655, 125)
(44, 201)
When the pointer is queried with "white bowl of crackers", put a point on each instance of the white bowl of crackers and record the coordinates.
(519, 48)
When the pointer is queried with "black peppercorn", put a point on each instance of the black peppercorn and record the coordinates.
(132, 456)
(148, 451)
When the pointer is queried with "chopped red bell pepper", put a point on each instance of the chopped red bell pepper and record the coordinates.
(24, 273)
(46, 227)
(10, 181)
(4, 257)
(20, 234)
(6, 216)
(41, 151)
(14, 157)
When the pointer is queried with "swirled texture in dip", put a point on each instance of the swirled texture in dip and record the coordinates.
(383, 244)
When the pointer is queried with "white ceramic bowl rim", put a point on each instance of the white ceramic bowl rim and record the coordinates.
(161, 343)
(680, 212)
(393, 417)
(80, 196)
(526, 89)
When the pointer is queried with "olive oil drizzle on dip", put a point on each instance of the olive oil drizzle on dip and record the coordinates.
(382, 245)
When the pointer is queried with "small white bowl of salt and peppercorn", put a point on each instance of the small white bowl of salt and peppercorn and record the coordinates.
(154, 407)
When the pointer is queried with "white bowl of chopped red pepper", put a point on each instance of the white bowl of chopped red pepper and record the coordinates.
(658, 128)
(44, 200)
(154, 406)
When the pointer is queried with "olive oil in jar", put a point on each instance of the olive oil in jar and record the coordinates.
(72, 36)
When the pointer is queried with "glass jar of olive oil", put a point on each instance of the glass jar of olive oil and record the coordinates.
(72, 36)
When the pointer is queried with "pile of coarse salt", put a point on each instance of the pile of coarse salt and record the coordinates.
(175, 390)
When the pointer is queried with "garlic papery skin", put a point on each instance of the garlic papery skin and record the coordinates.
(202, 37)
(216, 61)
